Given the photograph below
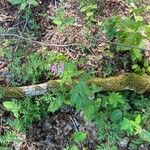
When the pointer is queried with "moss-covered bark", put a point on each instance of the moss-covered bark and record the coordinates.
(130, 81)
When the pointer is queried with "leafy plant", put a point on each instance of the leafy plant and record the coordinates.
(34, 67)
(61, 21)
(89, 11)
(128, 35)
(115, 99)
(24, 3)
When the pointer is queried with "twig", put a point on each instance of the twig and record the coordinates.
(37, 42)
(68, 45)
(115, 43)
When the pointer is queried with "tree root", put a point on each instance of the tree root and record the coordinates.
(126, 81)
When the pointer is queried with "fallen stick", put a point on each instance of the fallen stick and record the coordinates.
(126, 81)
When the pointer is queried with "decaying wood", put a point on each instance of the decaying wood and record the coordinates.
(126, 81)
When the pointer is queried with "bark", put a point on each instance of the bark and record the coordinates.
(126, 81)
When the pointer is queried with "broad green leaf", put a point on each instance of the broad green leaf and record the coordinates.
(115, 98)
(57, 21)
(94, 6)
(12, 106)
(84, 9)
(79, 136)
(90, 14)
(116, 115)
(55, 105)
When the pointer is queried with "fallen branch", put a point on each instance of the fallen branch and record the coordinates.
(126, 81)
(69, 45)
(36, 42)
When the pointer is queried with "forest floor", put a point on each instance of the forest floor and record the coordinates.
(39, 33)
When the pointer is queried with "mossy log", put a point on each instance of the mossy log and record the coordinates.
(126, 81)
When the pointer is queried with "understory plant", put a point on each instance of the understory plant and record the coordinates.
(127, 35)
(113, 113)
(24, 3)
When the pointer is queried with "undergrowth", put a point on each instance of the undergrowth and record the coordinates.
(116, 115)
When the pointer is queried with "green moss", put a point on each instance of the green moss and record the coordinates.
(126, 81)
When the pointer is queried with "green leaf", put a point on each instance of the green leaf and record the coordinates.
(83, 9)
(23, 5)
(16, 2)
(55, 105)
(90, 14)
(1, 52)
(69, 21)
(115, 98)
(57, 21)
(116, 115)
(33, 2)
(136, 54)
(2, 30)
(145, 135)
(127, 126)
(74, 147)
(147, 31)
(94, 6)
(79, 136)
(12, 106)
(138, 119)
(89, 112)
